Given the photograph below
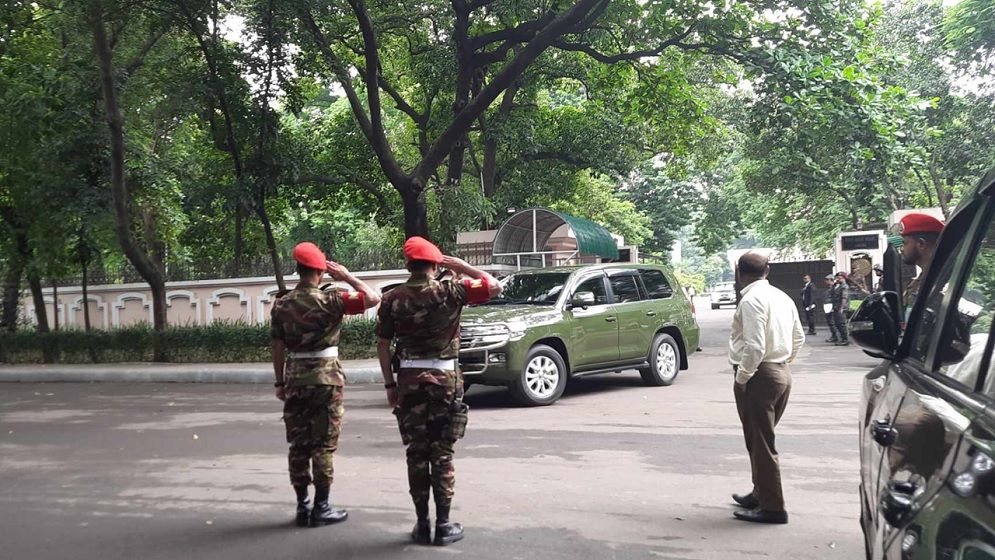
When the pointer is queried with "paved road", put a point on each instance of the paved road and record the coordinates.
(614, 470)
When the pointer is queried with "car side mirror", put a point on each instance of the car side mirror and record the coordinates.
(875, 326)
(582, 300)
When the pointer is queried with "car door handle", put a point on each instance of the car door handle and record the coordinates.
(897, 502)
(610, 319)
(651, 313)
(884, 433)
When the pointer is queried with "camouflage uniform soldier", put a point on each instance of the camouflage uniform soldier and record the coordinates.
(840, 297)
(422, 318)
(305, 329)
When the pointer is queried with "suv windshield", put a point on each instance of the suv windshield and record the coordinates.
(531, 288)
(725, 287)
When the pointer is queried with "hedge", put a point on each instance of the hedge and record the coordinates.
(219, 342)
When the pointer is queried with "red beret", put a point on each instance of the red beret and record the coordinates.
(309, 255)
(919, 223)
(421, 249)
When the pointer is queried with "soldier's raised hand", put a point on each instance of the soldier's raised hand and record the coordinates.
(336, 270)
(453, 263)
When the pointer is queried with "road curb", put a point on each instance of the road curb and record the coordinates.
(165, 373)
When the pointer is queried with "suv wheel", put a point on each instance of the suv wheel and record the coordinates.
(665, 362)
(542, 380)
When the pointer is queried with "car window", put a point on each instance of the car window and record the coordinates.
(656, 284)
(925, 331)
(595, 285)
(625, 289)
(966, 339)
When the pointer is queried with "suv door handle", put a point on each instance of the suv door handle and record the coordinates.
(651, 313)
(610, 319)
(883, 433)
(896, 502)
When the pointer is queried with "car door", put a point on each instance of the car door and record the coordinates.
(940, 404)
(636, 318)
(954, 510)
(593, 330)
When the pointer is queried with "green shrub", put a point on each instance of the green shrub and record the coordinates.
(219, 342)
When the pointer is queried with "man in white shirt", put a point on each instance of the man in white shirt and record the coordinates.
(766, 336)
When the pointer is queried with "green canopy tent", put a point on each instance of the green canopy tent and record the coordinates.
(523, 239)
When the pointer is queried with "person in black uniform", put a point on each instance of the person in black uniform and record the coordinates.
(808, 302)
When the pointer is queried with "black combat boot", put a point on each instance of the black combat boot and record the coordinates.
(422, 533)
(303, 506)
(445, 532)
(324, 514)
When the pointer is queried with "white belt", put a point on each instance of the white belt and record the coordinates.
(445, 365)
(330, 352)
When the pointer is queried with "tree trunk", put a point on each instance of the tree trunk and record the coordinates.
(11, 295)
(941, 191)
(151, 270)
(274, 255)
(86, 295)
(41, 312)
(239, 243)
(55, 304)
(415, 211)
(464, 80)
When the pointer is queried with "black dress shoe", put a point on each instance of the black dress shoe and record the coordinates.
(833, 340)
(749, 501)
(761, 516)
(843, 343)
(422, 533)
(324, 514)
(448, 533)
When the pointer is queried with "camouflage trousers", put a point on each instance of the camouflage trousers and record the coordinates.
(313, 416)
(425, 415)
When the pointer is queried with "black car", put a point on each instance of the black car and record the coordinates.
(927, 423)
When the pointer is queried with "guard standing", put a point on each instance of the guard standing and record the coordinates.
(840, 296)
(920, 233)
(306, 323)
(827, 307)
(808, 302)
(421, 318)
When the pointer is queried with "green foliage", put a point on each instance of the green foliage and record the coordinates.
(219, 342)
(596, 200)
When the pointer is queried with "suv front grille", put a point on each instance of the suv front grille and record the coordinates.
(479, 337)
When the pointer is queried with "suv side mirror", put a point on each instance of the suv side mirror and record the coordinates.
(582, 300)
(875, 326)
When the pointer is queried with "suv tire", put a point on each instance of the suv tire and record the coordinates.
(665, 362)
(543, 378)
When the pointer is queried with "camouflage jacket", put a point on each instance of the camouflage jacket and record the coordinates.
(422, 317)
(308, 319)
(840, 296)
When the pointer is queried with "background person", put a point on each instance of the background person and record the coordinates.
(840, 298)
(766, 336)
(808, 302)
(827, 307)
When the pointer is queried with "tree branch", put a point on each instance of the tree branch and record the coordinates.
(627, 56)
(377, 138)
(465, 118)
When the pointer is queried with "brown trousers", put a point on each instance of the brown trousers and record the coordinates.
(760, 408)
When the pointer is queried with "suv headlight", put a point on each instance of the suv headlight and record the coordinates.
(516, 329)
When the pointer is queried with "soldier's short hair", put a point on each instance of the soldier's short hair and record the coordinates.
(306, 270)
(420, 266)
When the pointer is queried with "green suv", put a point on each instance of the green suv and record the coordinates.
(552, 324)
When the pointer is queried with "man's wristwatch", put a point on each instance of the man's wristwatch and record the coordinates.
(389, 385)
(278, 384)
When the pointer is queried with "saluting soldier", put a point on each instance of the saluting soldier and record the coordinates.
(421, 317)
(306, 323)
(920, 233)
